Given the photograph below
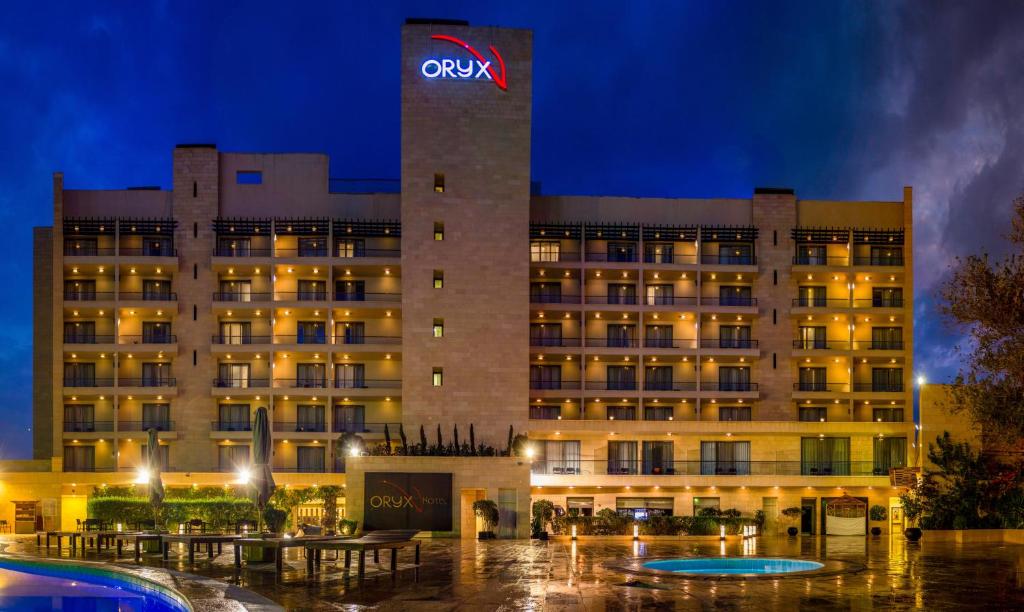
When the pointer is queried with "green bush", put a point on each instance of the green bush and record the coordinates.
(217, 513)
(543, 513)
(347, 526)
(877, 513)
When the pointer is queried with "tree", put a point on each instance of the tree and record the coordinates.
(405, 443)
(984, 299)
(487, 511)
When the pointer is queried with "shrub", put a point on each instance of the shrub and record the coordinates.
(877, 513)
(347, 526)
(274, 519)
(219, 513)
(487, 510)
(543, 512)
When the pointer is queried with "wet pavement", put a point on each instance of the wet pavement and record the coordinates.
(521, 575)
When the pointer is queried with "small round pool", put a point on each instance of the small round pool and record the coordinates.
(42, 585)
(718, 566)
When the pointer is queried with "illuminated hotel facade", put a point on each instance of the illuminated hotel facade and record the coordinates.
(662, 354)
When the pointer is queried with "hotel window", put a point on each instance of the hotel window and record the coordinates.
(545, 334)
(438, 328)
(156, 332)
(156, 374)
(79, 417)
(309, 417)
(622, 251)
(811, 337)
(438, 377)
(621, 293)
(889, 453)
(157, 246)
(703, 503)
(545, 413)
(350, 419)
(825, 456)
(438, 182)
(545, 250)
(621, 378)
(886, 256)
(312, 247)
(545, 376)
(558, 456)
(310, 459)
(811, 254)
(155, 289)
(658, 252)
(350, 291)
(164, 452)
(887, 379)
(658, 378)
(81, 246)
(580, 506)
(349, 247)
(156, 416)
(887, 297)
(80, 332)
(734, 413)
(235, 291)
(622, 458)
(80, 290)
(234, 247)
(236, 332)
(350, 376)
(658, 457)
(233, 417)
(734, 336)
(887, 338)
(641, 508)
(658, 336)
(887, 415)
(350, 332)
(546, 293)
(815, 414)
(438, 231)
(621, 413)
(733, 378)
(311, 332)
(234, 375)
(79, 374)
(812, 296)
(730, 458)
(812, 379)
(311, 375)
(232, 457)
(79, 458)
(658, 413)
(740, 253)
(660, 295)
(438, 279)
(311, 290)
(621, 335)
(735, 295)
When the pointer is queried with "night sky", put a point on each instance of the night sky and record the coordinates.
(843, 100)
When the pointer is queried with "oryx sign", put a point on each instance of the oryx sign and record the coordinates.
(474, 67)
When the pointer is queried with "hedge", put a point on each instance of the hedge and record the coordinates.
(218, 513)
(609, 522)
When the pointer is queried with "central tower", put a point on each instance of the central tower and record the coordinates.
(466, 106)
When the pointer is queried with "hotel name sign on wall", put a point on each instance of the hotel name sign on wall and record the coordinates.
(468, 67)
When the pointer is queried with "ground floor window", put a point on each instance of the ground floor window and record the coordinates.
(642, 508)
(700, 503)
(580, 506)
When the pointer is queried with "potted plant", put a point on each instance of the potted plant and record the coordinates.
(487, 511)
(789, 515)
(543, 512)
(913, 508)
(877, 513)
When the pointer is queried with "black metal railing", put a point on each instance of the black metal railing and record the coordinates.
(88, 382)
(71, 250)
(147, 252)
(344, 296)
(735, 300)
(629, 467)
(727, 343)
(320, 251)
(88, 426)
(610, 299)
(894, 302)
(145, 425)
(224, 251)
(234, 296)
(612, 385)
(231, 426)
(729, 260)
(669, 385)
(670, 343)
(368, 383)
(611, 256)
(300, 296)
(536, 298)
(360, 427)
(300, 383)
(716, 385)
(148, 339)
(562, 255)
(563, 341)
(878, 345)
(342, 340)
(300, 338)
(240, 339)
(820, 302)
(87, 339)
(815, 386)
(147, 381)
(613, 342)
(149, 296)
(892, 260)
(669, 300)
(656, 258)
(88, 296)
(820, 260)
(878, 387)
(300, 426)
(821, 345)
(70, 467)
(567, 385)
(241, 383)
(345, 253)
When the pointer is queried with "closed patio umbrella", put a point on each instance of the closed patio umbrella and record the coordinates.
(156, 484)
(262, 479)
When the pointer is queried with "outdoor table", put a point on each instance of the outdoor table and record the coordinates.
(60, 535)
(277, 545)
(193, 539)
(105, 536)
(136, 538)
(375, 541)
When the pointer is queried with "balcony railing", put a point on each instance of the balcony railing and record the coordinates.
(149, 296)
(820, 302)
(892, 260)
(567, 385)
(231, 426)
(715, 385)
(147, 252)
(894, 302)
(892, 387)
(88, 426)
(300, 383)
(729, 260)
(240, 339)
(300, 339)
(611, 299)
(613, 342)
(88, 382)
(363, 428)
(821, 345)
(147, 382)
(241, 383)
(357, 253)
(145, 425)
(70, 250)
(669, 385)
(878, 345)
(148, 339)
(813, 386)
(626, 467)
(88, 296)
(234, 296)
(817, 260)
(303, 252)
(343, 296)
(669, 343)
(656, 258)
(612, 385)
(368, 383)
(240, 252)
(728, 301)
(612, 257)
(560, 256)
(300, 296)
(564, 342)
(87, 339)
(300, 426)
(89, 468)
(342, 340)
(553, 299)
(728, 343)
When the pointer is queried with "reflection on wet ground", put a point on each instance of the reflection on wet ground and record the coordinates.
(520, 574)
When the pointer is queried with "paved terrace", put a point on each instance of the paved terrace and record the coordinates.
(518, 575)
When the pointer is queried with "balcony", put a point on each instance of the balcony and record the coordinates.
(669, 385)
(536, 298)
(612, 342)
(821, 387)
(300, 383)
(878, 387)
(300, 296)
(878, 345)
(148, 339)
(729, 260)
(87, 339)
(820, 302)
(159, 425)
(227, 251)
(612, 256)
(88, 296)
(665, 258)
(821, 345)
(368, 383)
(625, 467)
(89, 468)
(729, 301)
(669, 300)
(241, 383)
(365, 428)
(728, 343)
(612, 385)
(362, 340)
(307, 251)
(554, 257)
(667, 343)
(627, 300)
(243, 298)
(88, 426)
(892, 260)
(147, 382)
(556, 342)
(88, 382)
(148, 251)
(360, 253)
(87, 250)
(818, 260)
(234, 340)
(149, 296)
(342, 296)
(739, 387)
(300, 426)
(555, 385)
(231, 426)
(300, 339)
(894, 302)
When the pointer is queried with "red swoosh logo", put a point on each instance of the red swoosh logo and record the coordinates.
(498, 80)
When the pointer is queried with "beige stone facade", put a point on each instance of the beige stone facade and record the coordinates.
(719, 339)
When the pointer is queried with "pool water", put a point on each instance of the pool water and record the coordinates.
(733, 565)
(33, 585)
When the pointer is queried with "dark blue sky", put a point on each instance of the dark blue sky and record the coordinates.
(846, 100)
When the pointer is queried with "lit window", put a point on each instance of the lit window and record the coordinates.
(439, 182)
(438, 377)
(438, 279)
(438, 230)
(438, 328)
(545, 250)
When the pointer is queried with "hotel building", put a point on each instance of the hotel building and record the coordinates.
(662, 354)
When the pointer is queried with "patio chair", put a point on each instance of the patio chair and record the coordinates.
(195, 526)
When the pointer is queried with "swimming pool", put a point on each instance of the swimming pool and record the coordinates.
(40, 585)
(733, 565)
